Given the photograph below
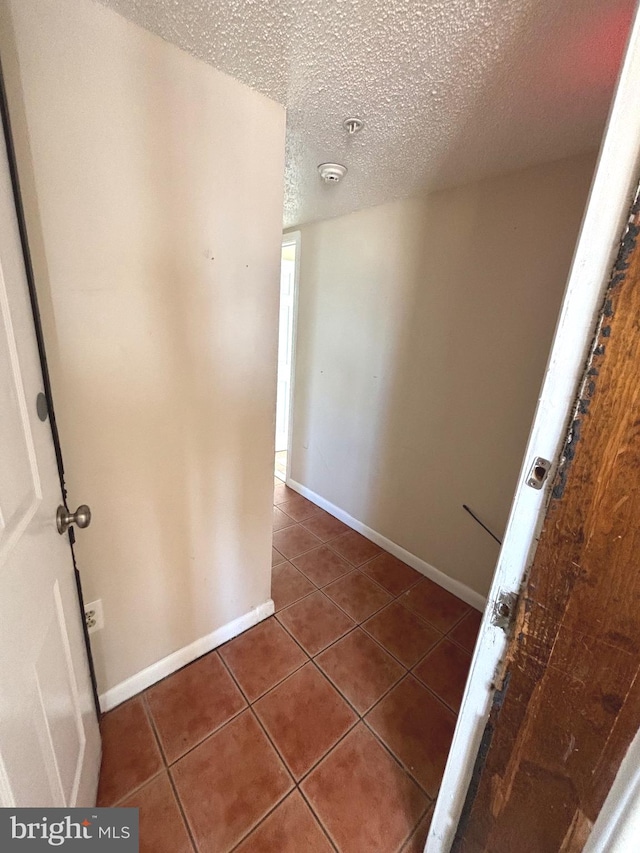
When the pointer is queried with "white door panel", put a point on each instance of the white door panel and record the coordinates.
(49, 737)
(285, 346)
(615, 181)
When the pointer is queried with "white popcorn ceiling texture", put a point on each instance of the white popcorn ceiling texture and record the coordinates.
(450, 90)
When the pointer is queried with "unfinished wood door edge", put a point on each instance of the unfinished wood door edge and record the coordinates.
(501, 783)
(293, 238)
(611, 194)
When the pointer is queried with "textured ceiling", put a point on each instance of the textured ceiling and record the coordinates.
(450, 90)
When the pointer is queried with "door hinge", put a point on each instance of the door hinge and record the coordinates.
(504, 610)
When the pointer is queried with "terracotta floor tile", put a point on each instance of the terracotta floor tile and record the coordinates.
(294, 540)
(282, 493)
(162, 828)
(290, 828)
(281, 519)
(315, 622)
(364, 800)
(261, 657)
(288, 585)
(419, 838)
(360, 669)
(322, 565)
(402, 633)
(466, 631)
(355, 548)
(325, 526)
(229, 783)
(276, 557)
(192, 703)
(130, 753)
(417, 728)
(357, 595)
(444, 670)
(305, 716)
(391, 573)
(435, 604)
(299, 508)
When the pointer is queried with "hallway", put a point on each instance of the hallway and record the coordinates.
(325, 727)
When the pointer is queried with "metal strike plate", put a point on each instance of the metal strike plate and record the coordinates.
(504, 610)
(538, 472)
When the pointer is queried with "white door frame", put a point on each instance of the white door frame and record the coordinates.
(614, 184)
(293, 238)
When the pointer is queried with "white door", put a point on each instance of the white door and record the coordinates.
(49, 735)
(614, 183)
(285, 344)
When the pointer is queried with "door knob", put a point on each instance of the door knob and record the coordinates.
(81, 517)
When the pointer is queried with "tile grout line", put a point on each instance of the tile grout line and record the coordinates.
(407, 840)
(459, 645)
(408, 670)
(373, 613)
(206, 738)
(363, 714)
(154, 729)
(360, 717)
(152, 723)
(424, 619)
(255, 828)
(297, 601)
(464, 616)
(318, 821)
(389, 652)
(181, 810)
(137, 789)
(332, 643)
(328, 544)
(271, 689)
(273, 746)
(404, 769)
(429, 690)
(388, 748)
(319, 652)
(337, 580)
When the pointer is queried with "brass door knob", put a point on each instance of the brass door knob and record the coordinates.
(81, 517)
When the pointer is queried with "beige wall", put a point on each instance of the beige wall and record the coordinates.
(153, 187)
(423, 333)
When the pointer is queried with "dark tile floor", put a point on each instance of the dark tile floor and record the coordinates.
(324, 728)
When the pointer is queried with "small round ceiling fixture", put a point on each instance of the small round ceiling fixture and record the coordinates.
(332, 173)
(353, 125)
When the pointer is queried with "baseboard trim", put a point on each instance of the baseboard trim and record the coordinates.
(468, 595)
(159, 670)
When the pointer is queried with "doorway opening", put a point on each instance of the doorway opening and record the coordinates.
(286, 349)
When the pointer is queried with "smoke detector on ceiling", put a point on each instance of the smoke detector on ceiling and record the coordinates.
(332, 173)
(353, 125)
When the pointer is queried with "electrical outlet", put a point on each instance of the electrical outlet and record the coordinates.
(94, 616)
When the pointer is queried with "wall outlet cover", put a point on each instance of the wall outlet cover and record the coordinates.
(94, 616)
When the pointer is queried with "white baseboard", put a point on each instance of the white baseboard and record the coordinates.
(468, 595)
(159, 670)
